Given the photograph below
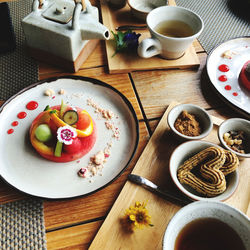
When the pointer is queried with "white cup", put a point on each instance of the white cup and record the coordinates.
(165, 46)
(234, 218)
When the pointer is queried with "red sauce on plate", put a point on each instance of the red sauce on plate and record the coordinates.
(14, 124)
(32, 105)
(223, 78)
(228, 87)
(10, 131)
(223, 68)
(22, 115)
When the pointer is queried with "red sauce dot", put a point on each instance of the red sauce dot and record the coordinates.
(14, 124)
(227, 87)
(223, 78)
(223, 68)
(235, 94)
(32, 105)
(21, 115)
(10, 131)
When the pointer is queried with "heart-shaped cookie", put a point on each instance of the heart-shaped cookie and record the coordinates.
(204, 171)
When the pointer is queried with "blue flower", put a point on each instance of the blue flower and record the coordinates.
(131, 40)
(127, 41)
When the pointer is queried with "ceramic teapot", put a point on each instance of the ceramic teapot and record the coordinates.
(62, 29)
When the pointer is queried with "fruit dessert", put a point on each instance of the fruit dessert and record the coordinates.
(244, 76)
(62, 133)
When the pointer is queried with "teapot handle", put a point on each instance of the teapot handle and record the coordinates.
(80, 5)
(80, 1)
(37, 4)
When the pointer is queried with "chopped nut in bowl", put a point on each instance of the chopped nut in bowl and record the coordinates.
(189, 122)
(234, 135)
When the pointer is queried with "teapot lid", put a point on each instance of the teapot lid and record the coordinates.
(60, 11)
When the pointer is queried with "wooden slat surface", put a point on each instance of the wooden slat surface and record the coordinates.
(73, 223)
(157, 89)
(73, 211)
(153, 164)
(96, 59)
(127, 62)
(78, 237)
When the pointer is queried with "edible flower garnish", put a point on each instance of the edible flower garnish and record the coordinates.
(66, 134)
(136, 217)
(126, 41)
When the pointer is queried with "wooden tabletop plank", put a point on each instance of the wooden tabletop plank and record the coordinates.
(72, 211)
(77, 237)
(153, 164)
(96, 59)
(157, 89)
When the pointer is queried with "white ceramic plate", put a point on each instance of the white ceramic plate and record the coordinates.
(237, 96)
(23, 168)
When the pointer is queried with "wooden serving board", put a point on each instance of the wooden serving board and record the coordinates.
(153, 164)
(125, 62)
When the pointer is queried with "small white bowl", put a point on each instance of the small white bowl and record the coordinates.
(184, 152)
(201, 114)
(141, 8)
(207, 209)
(235, 124)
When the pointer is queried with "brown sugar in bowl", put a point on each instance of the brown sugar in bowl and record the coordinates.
(197, 125)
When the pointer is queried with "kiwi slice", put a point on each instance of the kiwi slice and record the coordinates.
(70, 117)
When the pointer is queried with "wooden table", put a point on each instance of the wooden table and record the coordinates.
(73, 224)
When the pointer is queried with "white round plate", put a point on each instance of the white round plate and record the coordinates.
(22, 167)
(237, 96)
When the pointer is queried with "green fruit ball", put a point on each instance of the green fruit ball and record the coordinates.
(43, 133)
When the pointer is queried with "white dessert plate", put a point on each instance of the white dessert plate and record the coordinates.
(22, 167)
(237, 53)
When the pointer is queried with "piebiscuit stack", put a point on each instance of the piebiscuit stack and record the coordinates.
(213, 164)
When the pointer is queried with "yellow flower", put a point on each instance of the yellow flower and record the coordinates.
(136, 217)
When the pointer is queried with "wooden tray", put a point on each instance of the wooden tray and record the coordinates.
(153, 164)
(124, 62)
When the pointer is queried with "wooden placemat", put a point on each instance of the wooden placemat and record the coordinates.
(125, 62)
(153, 164)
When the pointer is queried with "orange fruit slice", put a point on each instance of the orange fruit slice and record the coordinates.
(80, 133)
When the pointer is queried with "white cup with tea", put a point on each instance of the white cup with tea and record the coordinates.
(207, 225)
(173, 29)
